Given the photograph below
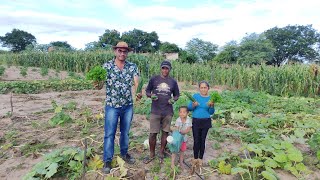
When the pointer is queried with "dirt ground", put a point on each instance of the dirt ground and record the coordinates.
(31, 109)
(29, 124)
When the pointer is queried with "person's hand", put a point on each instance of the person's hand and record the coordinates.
(181, 132)
(195, 103)
(171, 101)
(210, 104)
(138, 96)
(154, 97)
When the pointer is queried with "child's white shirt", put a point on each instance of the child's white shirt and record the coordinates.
(183, 126)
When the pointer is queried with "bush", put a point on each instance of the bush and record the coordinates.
(97, 73)
(2, 69)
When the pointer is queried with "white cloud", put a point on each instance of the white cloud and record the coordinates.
(48, 27)
(217, 22)
(118, 4)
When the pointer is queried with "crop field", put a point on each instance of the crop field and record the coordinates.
(51, 121)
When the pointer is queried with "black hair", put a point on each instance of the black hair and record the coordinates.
(205, 82)
(183, 107)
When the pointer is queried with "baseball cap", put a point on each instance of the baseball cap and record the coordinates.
(166, 63)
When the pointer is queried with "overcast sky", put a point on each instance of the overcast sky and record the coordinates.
(176, 21)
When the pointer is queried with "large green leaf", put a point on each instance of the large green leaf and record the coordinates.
(253, 163)
(280, 157)
(52, 169)
(239, 170)
(271, 170)
(301, 167)
(295, 155)
(271, 163)
(254, 148)
(299, 133)
(268, 175)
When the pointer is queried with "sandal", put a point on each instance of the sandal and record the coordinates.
(148, 159)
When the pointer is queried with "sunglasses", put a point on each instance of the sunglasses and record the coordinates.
(122, 51)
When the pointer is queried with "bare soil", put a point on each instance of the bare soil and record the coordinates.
(12, 73)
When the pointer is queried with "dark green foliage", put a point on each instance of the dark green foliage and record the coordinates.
(23, 71)
(17, 40)
(140, 85)
(65, 162)
(204, 50)
(314, 143)
(61, 44)
(215, 97)
(141, 41)
(97, 73)
(109, 38)
(60, 118)
(293, 42)
(44, 71)
(34, 87)
(189, 96)
(187, 57)
(167, 47)
(2, 70)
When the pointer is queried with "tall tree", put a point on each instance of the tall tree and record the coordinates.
(204, 50)
(187, 57)
(109, 38)
(167, 47)
(61, 44)
(92, 46)
(293, 42)
(228, 54)
(142, 41)
(255, 49)
(17, 40)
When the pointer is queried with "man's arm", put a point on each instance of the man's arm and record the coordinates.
(176, 92)
(149, 89)
(136, 83)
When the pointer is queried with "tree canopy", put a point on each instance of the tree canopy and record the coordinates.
(109, 38)
(141, 41)
(17, 40)
(167, 47)
(273, 46)
(293, 42)
(228, 54)
(61, 44)
(255, 49)
(204, 50)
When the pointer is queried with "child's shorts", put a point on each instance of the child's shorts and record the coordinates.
(183, 146)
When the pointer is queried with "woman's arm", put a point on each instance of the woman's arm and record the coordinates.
(211, 110)
(192, 105)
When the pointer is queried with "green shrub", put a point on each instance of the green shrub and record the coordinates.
(97, 73)
(2, 69)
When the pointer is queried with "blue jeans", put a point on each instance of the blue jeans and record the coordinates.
(110, 127)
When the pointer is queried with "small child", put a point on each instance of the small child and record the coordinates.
(183, 125)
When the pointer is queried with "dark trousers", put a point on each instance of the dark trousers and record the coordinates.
(199, 141)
